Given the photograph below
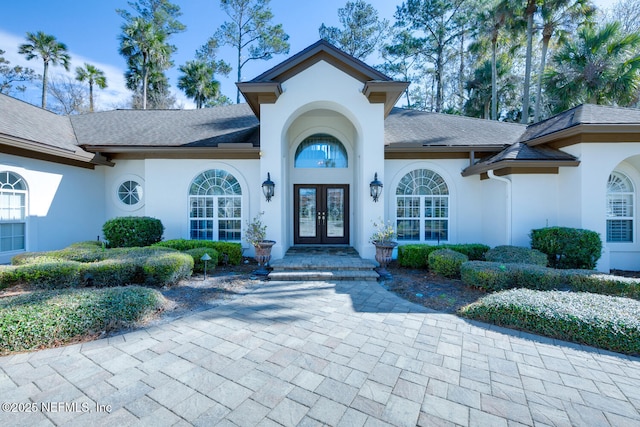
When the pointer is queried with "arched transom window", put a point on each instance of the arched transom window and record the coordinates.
(13, 212)
(422, 207)
(620, 208)
(215, 201)
(321, 151)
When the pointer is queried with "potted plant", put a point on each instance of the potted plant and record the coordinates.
(383, 239)
(255, 234)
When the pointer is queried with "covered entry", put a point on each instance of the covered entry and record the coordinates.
(321, 214)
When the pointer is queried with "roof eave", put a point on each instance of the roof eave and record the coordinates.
(223, 150)
(586, 129)
(257, 93)
(481, 168)
(386, 92)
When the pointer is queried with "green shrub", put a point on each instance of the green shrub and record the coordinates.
(568, 247)
(413, 256)
(228, 252)
(446, 262)
(198, 264)
(112, 272)
(609, 323)
(490, 276)
(49, 318)
(417, 255)
(516, 255)
(590, 281)
(496, 276)
(48, 274)
(132, 231)
(474, 251)
(167, 269)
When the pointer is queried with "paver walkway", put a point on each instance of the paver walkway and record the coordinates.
(320, 353)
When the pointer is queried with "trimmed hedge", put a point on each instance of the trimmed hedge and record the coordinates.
(446, 262)
(516, 255)
(114, 267)
(130, 231)
(167, 269)
(610, 323)
(51, 318)
(589, 281)
(496, 276)
(198, 264)
(228, 252)
(417, 255)
(568, 248)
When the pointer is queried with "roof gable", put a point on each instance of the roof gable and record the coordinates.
(266, 88)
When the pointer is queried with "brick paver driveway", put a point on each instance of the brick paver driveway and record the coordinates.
(321, 353)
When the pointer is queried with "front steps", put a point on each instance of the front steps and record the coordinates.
(314, 263)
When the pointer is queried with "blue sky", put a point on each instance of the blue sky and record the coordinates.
(90, 29)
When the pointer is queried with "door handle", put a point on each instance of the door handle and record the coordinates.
(321, 218)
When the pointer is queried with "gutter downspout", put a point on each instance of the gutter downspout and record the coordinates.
(507, 181)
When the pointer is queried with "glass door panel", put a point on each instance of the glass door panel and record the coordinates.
(307, 212)
(335, 212)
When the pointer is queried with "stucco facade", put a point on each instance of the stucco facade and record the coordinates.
(446, 178)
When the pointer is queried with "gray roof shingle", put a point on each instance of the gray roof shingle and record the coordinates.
(206, 127)
(436, 129)
(585, 114)
(34, 124)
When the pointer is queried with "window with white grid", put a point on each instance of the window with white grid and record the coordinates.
(422, 207)
(620, 208)
(13, 212)
(215, 207)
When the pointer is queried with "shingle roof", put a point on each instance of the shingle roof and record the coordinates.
(206, 127)
(30, 123)
(585, 114)
(404, 126)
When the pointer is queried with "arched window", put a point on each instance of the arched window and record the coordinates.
(321, 151)
(13, 212)
(215, 201)
(620, 208)
(422, 207)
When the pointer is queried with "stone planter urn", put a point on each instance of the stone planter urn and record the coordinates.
(263, 256)
(384, 251)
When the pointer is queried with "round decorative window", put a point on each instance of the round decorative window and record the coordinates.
(130, 193)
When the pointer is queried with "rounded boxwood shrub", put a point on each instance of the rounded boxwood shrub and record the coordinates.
(132, 231)
(167, 269)
(446, 262)
(198, 264)
(228, 252)
(568, 248)
(497, 276)
(112, 272)
(516, 255)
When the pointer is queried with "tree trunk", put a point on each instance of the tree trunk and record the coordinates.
(543, 61)
(461, 76)
(91, 96)
(44, 84)
(531, 7)
(494, 81)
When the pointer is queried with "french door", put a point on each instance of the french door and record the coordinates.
(321, 213)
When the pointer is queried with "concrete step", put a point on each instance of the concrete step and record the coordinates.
(313, 275)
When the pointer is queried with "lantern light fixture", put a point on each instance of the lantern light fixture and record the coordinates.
(268, 188)
(376, 188)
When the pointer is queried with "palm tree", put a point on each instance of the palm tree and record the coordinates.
(145, 46)
(47, 48)
(198, 83)
(601, 66)
(92, 75)
(558, 17)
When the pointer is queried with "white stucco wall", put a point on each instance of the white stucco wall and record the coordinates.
(323, 87)
(166, 189)
(65, 204)
(535, 205)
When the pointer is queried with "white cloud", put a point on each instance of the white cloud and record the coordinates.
(116, 95)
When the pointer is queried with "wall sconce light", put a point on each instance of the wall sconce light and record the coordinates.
(268, 187)
(376, 188)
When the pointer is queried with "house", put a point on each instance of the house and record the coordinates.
(322, 127)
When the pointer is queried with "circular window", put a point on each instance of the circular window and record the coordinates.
(130, 192)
